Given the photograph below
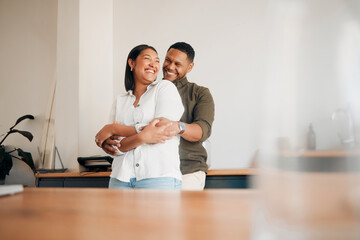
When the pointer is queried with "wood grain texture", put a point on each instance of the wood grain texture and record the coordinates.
(58, 213)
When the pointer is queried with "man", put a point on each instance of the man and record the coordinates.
(195, 124)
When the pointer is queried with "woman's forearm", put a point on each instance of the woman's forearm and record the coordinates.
(113, 129)
(123, 130)
(131, 142)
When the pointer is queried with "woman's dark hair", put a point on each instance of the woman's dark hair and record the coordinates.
(185, 48)
(134, 53)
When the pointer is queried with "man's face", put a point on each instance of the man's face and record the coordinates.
(176, 65)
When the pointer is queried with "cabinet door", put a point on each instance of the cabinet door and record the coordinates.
(87, 182)
(241, 181)
(50, 182)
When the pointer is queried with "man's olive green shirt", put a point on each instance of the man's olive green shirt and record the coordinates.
(199, 108)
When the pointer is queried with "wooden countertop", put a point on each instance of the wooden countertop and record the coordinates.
(224, 172)
(68, 213)
(321, 153)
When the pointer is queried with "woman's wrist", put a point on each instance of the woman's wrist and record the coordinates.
(112, 128)
(142, 137)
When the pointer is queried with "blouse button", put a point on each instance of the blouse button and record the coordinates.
(137, 165)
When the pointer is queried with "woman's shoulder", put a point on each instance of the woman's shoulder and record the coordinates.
(165, 84)
(123, 97)
(124, 94)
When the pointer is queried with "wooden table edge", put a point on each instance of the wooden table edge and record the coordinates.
(213, 172)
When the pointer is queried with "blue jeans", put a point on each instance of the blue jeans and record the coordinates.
(154, 183)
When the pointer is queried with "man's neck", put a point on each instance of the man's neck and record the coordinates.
(179, 80)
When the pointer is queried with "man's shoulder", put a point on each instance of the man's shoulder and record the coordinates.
(198, 88)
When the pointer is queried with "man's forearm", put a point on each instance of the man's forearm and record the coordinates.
(193, 132)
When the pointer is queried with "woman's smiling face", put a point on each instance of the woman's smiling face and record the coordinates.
(146, 66)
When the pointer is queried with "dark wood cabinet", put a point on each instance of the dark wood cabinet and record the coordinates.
(234, 178)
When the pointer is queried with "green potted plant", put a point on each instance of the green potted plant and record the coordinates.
(6, 156)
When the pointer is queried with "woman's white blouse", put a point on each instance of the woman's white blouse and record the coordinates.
(161, 99)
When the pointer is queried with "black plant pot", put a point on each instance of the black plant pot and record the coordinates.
(2, 181)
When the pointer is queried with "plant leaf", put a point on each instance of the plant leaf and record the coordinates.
(26, 134)
(28, 116)
(27, 158)
(5, 162)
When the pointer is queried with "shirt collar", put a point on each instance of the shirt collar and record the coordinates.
(180, 82)
(130, 92)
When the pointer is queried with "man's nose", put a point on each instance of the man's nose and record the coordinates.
(171, 66)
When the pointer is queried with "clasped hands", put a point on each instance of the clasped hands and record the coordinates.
(157, 131)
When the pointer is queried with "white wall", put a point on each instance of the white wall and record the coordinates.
(67, 89)
(27, 66)
(96, 71)
(270, 65)
(232, 40)
(85, 76)
(228, 38)
(313, 69)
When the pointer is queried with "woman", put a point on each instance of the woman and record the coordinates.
(147, 158)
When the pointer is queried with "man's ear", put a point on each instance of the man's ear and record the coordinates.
(191, 65)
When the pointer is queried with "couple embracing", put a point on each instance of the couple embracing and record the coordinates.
(158, 126)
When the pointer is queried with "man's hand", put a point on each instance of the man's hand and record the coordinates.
(108, 144)
(103, 134)
(153, 133)
(172, 129)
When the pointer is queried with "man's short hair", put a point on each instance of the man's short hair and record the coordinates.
(186, 48)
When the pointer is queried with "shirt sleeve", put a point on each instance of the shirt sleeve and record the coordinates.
(204, 112)
(168, 102)
(112, 115)
(112, 118)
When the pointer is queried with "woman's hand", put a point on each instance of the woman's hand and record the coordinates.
(152, 134)
(104, 133)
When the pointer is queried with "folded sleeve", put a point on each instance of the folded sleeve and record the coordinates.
(204, 112)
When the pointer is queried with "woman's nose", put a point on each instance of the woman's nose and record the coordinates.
(153, 63)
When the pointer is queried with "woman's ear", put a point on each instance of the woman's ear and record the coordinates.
(131, 64)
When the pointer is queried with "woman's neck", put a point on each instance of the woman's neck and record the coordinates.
(139, 90)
